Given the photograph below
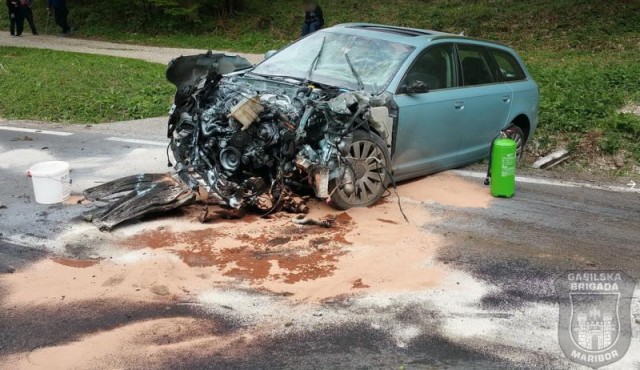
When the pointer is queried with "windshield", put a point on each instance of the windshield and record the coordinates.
(321, 58)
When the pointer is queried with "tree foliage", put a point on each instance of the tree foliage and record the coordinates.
(191, 10)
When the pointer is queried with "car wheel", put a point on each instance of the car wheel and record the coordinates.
(368, 162)
(516, 134)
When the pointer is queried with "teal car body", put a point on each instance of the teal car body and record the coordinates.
(473, 90)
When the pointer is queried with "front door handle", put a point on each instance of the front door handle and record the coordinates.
(506, 98)
(459, 105)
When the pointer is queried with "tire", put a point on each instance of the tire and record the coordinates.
(516, 134)
(370, 174)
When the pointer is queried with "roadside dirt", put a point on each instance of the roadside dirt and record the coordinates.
(369, 251)
(304, 262)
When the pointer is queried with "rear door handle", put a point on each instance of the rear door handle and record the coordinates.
(459, 105)
(506, 98)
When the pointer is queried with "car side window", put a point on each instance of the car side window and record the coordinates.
(509, 67)
(435, 67)
(476, 69)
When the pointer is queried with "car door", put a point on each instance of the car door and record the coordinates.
(486, 102)
(427, 139)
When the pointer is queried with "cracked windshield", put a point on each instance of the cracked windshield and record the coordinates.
(325, 58)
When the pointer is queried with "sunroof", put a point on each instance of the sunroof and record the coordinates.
(394, 30)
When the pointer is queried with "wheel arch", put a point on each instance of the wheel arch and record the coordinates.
(524, 123)
(374, 131)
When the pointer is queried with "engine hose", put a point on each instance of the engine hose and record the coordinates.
(306, 89)
(169, 164)
(308, 112)
(395, 190)
(358, 113)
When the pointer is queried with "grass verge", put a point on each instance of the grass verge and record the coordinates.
(79, 88)
(582, 99)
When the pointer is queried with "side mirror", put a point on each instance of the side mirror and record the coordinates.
(269, 54)
(417, 87)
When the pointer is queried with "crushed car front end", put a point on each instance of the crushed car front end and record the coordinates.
(314, 119)
(252, 141)
(256, 136)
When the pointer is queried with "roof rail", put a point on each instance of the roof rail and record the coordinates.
(410, 32)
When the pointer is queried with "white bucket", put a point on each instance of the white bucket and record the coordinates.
(51, 182)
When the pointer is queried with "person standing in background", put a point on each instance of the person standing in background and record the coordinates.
(313, 17)
(60, 13)
(15, 18)
(27, 13)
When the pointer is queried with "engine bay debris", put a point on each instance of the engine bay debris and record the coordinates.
(258, 143)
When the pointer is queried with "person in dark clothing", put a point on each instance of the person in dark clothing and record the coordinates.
(25, 9)
(313, 17)
(15, 16)
(60, 13)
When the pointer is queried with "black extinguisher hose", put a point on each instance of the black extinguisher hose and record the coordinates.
(487, 179)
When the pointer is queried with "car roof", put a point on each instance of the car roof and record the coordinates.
(410, 36)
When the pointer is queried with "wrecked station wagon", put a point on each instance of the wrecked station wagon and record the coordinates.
(343, 112)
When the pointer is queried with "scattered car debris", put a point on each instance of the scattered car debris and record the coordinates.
(552, 159)
(301, 220)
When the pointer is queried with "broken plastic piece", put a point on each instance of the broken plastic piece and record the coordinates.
(246, 112)
(134, 197)
(321, 181)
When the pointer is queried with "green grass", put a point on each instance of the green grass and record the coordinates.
(583, 53)
(581, 95)
(79, 88)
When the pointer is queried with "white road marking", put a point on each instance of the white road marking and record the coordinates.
(138, 141)
(548, 182)
(479, 175)
(35, 131)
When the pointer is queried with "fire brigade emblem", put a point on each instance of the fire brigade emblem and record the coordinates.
(595, 316)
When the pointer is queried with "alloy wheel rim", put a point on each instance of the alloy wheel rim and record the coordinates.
(368, 164)
(519, 140)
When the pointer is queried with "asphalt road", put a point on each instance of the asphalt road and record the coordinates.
(494, 308)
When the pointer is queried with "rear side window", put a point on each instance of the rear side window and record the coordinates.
(508, 66)
(476, 69)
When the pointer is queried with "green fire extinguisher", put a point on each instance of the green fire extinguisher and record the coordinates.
(501, 174)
